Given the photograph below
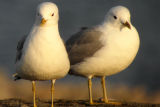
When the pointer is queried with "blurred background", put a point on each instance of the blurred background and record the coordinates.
(139, 82)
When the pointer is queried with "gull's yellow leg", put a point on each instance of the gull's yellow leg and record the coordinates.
(52, 91)
(104, 89)
(90, 90)
(105, 99)
(34, 93)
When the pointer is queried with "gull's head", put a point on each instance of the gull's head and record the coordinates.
(47, 14)
(119, 16)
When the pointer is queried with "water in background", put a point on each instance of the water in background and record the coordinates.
(17, 17)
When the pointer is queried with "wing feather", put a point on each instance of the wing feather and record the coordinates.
(83, 44)
(19, 48)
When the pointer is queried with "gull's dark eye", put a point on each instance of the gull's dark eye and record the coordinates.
(52, 14)
(115, 17)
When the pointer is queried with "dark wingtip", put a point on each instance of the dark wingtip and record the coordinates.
(84, 28)
(70, 72)
(16, 77)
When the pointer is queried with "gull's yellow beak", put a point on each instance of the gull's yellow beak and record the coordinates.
(43, 21)
(127, 25)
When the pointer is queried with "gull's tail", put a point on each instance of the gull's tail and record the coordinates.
(70, 72)
(16, 77)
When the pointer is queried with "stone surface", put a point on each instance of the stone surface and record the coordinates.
(69, 103)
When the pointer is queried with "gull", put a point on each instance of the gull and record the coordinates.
(42, 55)
(105, 49)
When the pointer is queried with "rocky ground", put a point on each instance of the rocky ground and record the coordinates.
(68, 103)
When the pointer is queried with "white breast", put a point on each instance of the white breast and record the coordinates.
(44, 55)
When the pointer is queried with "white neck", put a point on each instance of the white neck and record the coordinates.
(48, 27)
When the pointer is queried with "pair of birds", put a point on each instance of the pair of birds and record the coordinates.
(100, 51)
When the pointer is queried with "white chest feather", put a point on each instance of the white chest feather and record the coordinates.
(44, 55)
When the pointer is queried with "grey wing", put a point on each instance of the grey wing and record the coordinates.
(83, 45)
(19, 48)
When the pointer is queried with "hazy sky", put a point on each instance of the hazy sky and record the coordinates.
(17, 17)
